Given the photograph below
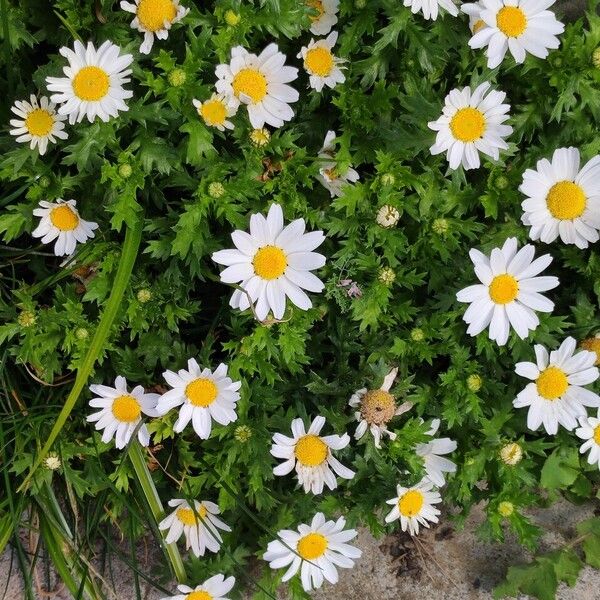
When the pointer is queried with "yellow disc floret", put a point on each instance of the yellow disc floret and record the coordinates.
(377, 407)
(511, 21)
(411, 503)
(251, 83)
(152, 14)
(188, 517)
(64, 218)
(552, 383)
(311, 450)
(503, 289)
(213, 112)
(126, 409)
(312, 546)
(201, 392)
(39, 122)
(319, 61)
(597, 434)
(199, 595)
(566, 200)
(478, 25)
(91, 84)
(467, 124)
(592, 345)
(270, 262)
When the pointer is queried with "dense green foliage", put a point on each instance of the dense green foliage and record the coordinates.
(157, 162)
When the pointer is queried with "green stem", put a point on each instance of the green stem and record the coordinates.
(129, 253)
(145, 479)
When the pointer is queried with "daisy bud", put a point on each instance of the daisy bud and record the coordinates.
(52, 462)
(511, 454)
(125, 170)
(81, 333)
(388, 179)
(216, 189)
(506, 508)
(231, 18)
(417, 335)
(144, 295)
(177, 77)
(386, 276)
(44, 181)
(242, 433)
(387, 216)
(474, 382)
(26, 318)
(557, 62)
(596, 57)
(501, 182)
(260, 137)
(440, 226)
(360, 3)
(593, 345)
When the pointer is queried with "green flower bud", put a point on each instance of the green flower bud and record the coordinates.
(506, 508)
(231, 18)
(242, 433)
(125, 170)
(386, 276)
(177, 77)
(52, 462)
(474, 382)
(440, 226)
(596, 57)
(26, 318)
(501, 182)
(511, 454)
(81, 333)
(417, 335)
(388, 179)
(216, 189)
(144, 295)
(44, 181)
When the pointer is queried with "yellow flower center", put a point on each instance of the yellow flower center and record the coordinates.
(126, 409)
(592, 345)
(597, 434)
(552, 383)
(478, 25)
(260, 137)
(152, 14)
(39, 122)
(64, 218)
(318, 6)
(213, 112)
(312, 546)
(269, 262)
(311, 450)
(566, 200)
(91, 83)
(319, 61)
(511, 21)
(199, 595)
(503, 289)
(188, 517)
(251, 83)
(377, 407)
(467, 124)
(201, 392)
(410, 503)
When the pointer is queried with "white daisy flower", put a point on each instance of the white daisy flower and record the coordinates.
(60, 221)
(414, 506)
(562, 199)
(316, 550)
(471, 122)
(473, 9)
(508, 293)
(199, 525)
(259, 82)
(556, 395)
(93, 82)
(432, 454)
(38, 123)
(215, 110)
(204, 396)
(589, 430)
(519, 26)
(154, 18)
(430, 8)
(214, 588)
(311, 455)
(121, 412)
(272, 262)
(376, 408)
(326, 16)
(323, 67)
(329, 174)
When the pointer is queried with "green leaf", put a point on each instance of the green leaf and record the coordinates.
(560, 469)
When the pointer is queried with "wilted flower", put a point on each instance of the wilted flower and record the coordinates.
(352, 288)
